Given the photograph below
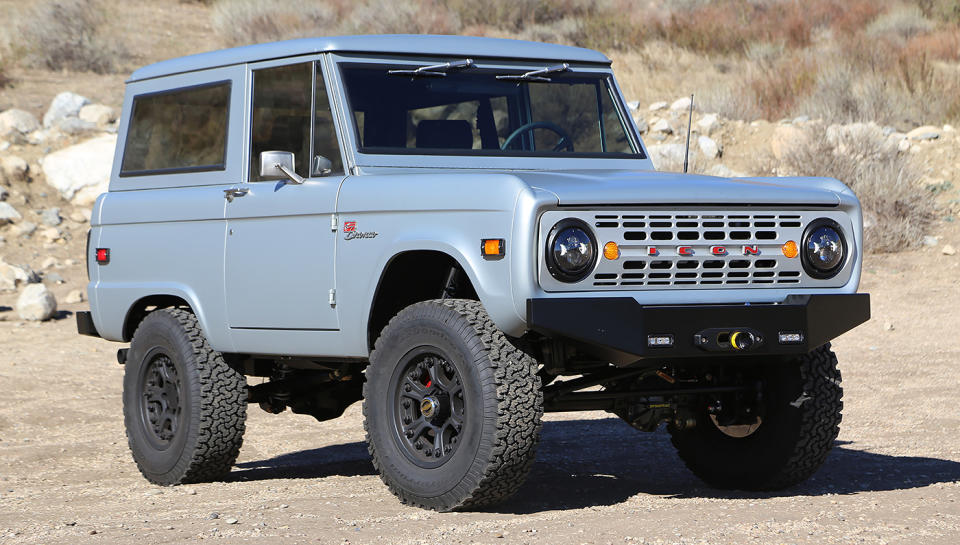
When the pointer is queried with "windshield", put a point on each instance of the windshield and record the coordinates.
(470, 111)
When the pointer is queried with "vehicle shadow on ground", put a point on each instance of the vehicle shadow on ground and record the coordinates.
(585, 463)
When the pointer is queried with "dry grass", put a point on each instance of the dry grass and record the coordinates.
(67, 35)
(896, 208)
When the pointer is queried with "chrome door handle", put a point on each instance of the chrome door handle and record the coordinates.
(229, 194)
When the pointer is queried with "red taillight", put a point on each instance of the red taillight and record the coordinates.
(103, 256)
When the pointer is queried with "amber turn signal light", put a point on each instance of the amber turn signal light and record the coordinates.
(611, 250)
(492, 247)
(790, 249)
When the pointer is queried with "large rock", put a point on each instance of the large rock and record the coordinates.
(20, 121)
(662, 126)
(708, 123)
(8, 213)
(681, 104)
(924, 133)
(14, 168)
(98, 114)
(13, 275)
(66, 104)
(667, 155)
(36, 303)
(84, 168)
(75, 125)
(657, 106)
(708, 147)
(785, 139)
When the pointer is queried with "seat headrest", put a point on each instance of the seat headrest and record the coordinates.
(444, 133)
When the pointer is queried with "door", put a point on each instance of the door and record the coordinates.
(280, 248)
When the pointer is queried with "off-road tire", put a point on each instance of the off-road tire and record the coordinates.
(803, 403)
(211, 399)
(503, 407)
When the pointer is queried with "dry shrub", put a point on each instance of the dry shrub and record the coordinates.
(67, 34)
(391, 17)
(897, 210)
(241, 22)
(904, 22)
(942, 44)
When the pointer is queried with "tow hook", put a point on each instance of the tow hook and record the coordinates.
(122, 355)
(733, 339)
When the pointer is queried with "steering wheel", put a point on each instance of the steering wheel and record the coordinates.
(565, 141)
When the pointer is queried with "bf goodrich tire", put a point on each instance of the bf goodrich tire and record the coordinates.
(452, 408)
(183, 406)
(803, 403)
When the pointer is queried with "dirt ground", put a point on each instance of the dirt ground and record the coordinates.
(893, 477)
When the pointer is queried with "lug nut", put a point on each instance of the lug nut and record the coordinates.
(406, 403)
(437, 453)
(407, 388)
(409, 434)
(418, 445)
(406, 420)
(428, 453)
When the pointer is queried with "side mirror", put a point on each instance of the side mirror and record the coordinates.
(321, 166)
(278, 164)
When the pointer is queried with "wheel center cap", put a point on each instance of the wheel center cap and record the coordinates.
(429, 406)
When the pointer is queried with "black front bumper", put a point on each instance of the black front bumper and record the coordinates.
(620, 329)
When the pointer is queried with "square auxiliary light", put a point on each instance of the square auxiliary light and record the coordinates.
(790, 337)
(659, 341)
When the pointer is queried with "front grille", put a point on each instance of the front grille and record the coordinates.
(683, 250)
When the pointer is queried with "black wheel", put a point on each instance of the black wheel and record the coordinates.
(452, 408)
(183, 406)
(801, 412)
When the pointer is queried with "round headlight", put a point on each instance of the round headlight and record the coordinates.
(571, 250)
(824, 248)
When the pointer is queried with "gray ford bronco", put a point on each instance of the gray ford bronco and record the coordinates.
(463, 233)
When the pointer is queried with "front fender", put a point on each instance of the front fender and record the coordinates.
(448, 214)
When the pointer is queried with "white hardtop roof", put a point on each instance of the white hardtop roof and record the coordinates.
(397, 44)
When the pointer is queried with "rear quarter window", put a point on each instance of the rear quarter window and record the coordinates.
(181, 130)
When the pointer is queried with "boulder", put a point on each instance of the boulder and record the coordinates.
(642, 124)
(36, 303)
(51, 217)
(926, 132)
(13, 275)
(19, 121)
(785, 139)
(708, 147)
(708, 123)
(73, 297)
(8, 214)
(656, 106)
(664, 155)
(66, 104)
(50, 263)
(25, 229)
(75, 125)
(14, 168)
(633, 104)
(85, 166)
(681, 104)
(949, 250)
(100, 115)
(662, 126)
(81, 216)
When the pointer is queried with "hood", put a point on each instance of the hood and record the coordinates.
(622, 187)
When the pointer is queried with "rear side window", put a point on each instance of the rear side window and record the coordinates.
(183, 130)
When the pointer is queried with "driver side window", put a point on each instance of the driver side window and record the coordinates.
(281, 118)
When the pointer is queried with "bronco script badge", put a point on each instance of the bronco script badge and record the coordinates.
(350, 231)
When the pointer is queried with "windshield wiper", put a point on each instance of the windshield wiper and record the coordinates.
(536, 75)
(436, 70)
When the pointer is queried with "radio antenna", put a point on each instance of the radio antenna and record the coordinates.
(686, 151)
